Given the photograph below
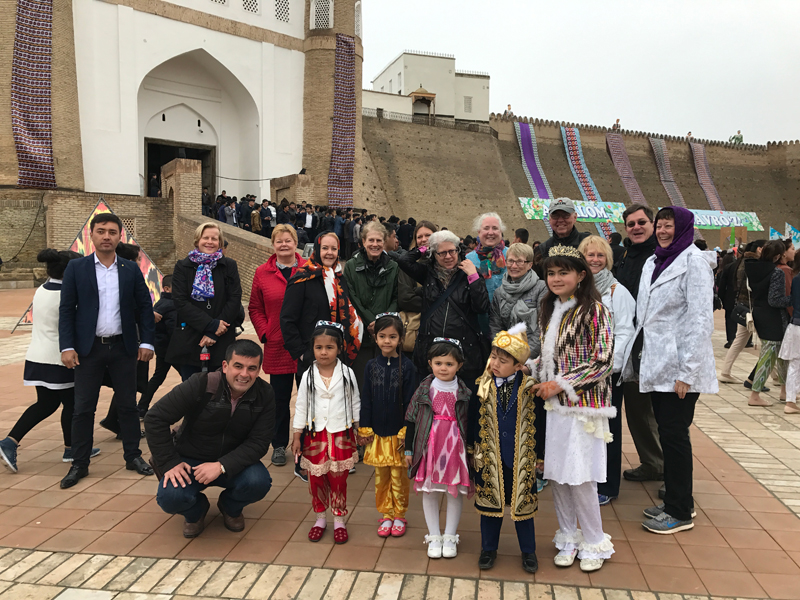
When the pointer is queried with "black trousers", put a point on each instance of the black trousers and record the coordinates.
(614, 449)
(187, 371)
(674, 417)
(730, 325)
(88, 379)
(282, 385)
(490, 526)
(47, 402)
(159, 375)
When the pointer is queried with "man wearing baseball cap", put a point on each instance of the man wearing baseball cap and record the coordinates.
(562, 220)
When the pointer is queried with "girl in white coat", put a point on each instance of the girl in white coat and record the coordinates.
(622, 307)
(673, 355)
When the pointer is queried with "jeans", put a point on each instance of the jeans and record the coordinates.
(246, 487)
(614, 448)
(47, 402)
(282, 385)
(88, 379)
(674, 417)
(159, 375)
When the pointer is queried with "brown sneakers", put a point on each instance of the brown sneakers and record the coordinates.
(234, 524)
(192, 530)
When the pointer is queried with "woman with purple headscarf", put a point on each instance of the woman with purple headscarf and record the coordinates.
(673, 355)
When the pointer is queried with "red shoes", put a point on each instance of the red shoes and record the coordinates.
(384, 527)
(340, 535)
(316, 533)
(399, 530)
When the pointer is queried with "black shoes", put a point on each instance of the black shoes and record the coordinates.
(486, 561)
(529, 562)
(642, 473)
(749, 386)
(75, 474)
(139, 465)
(106, 425)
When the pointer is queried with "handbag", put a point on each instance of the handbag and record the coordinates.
(411, 322)
(740, 314)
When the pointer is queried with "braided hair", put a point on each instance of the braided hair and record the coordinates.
(324, 328)
(386, 321)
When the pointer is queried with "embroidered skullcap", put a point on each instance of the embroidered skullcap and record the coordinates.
(514, 341)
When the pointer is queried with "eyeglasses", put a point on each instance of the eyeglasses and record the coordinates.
(517, 263)
(444, 253)
(640, 223)
(562, 217)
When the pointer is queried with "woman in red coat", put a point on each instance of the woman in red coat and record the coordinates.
(266, 299)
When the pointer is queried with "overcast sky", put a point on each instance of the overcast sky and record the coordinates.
(665, 66)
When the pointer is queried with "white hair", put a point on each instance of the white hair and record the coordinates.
(442, 236)
(478, 222)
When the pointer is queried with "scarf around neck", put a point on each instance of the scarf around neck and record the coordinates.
(443, 275)
(684, 237)
(492, 260)
(203, 285)
(603, 281)
(514, 292)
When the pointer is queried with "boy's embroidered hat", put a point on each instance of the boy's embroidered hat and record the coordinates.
(514, 341)
(333, 324)
(453, 341)
(564, 251)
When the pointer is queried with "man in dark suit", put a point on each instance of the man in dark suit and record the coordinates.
(105, 310)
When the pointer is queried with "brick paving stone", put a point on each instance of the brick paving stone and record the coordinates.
(315, 584)
(291, 583)
(364, 586)
(221, 578)
(66, 568)
(12, 557)
(24, 565)
(141, 596)
(340, 585)
(561, 592)
(540, 591)
(86, 570)
(591, 594)
(618, 594)
(100, 579)
(489, 590)
(153, 575)
(438, 588)
(465, 589)
(243, 581)
(130, 574)
(175, 577)
(76, 594)
(44, 567)
(198, 578)
(389, 587)
(266, 584)
(514, 590)
(29, 591)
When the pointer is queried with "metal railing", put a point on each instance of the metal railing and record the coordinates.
(433, 121)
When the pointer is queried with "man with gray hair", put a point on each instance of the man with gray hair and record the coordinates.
(562, 220)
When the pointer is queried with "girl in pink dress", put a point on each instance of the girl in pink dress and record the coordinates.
(436, 431)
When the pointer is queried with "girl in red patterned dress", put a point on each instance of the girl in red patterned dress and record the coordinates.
(328, 405)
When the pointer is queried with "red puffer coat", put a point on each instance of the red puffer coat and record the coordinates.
(266, 299)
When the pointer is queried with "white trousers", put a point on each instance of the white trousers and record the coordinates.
(793, 380)
(575, 503)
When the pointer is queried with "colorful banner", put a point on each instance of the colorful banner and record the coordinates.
(774, 234)
(717, 219)
(83, 245)
(793, 233)
(588, 212)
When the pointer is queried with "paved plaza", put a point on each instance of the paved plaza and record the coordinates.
(106, 537)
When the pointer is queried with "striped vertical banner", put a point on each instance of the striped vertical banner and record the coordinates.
(343, 141)
(532, 166)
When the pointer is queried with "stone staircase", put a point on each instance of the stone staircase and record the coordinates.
(22, 275)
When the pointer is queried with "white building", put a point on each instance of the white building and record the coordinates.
(463, 95)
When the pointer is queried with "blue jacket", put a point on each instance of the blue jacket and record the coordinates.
(338, 224)
(80, 302)
(495, 280)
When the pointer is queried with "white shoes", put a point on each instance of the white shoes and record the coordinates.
(449, 549)
(434, 546)
(591, 564)
(565, 558)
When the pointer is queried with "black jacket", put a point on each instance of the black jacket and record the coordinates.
(210, 432)
(726, 285)
(198, 318)
(304, 304)
(574, 239)
(767, 319)
(164, 328)
(382, 408)
(404, 234)
(472, 299)
(629, 268)
(284, 217)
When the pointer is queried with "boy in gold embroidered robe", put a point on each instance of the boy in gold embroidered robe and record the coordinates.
(504, 454)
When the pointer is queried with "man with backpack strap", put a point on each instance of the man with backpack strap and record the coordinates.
(228, 422)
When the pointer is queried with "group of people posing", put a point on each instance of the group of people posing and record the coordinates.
(460, 373)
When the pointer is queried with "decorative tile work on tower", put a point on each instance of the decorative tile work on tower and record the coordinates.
(532, 166)
(572, 144)
(343, 144)
(665, 172)
(704, 176)
(619, 156)
(30, 94)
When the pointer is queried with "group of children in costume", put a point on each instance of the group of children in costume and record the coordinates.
(557, 404)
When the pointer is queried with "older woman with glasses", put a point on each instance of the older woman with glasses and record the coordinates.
(489, 256)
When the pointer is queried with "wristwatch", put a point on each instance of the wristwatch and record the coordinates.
(222, 468)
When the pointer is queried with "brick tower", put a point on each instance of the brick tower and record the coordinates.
(331, 89)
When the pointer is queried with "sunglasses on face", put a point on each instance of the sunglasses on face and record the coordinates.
(640, 223)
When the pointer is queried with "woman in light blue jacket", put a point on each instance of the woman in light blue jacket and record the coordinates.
(489, 256)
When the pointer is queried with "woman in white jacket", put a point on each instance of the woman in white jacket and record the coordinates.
(620, 303)
(673, 355)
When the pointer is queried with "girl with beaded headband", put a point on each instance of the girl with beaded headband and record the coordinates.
(573, 377)
(325, 418)
(436, 442)
(389, 382)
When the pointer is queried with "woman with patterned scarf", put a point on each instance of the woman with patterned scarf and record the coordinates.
(208, 298)
(489, 256)
(318, 292)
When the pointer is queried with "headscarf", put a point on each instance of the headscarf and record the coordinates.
(492, 260)
(203, 286)
(342, 310)
(603, 281)
(684, 237)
